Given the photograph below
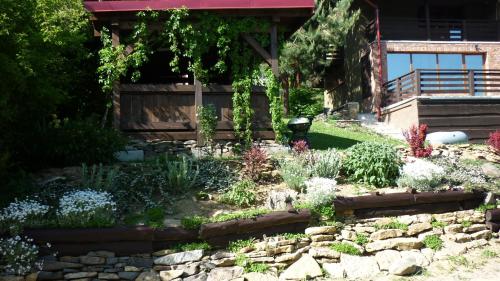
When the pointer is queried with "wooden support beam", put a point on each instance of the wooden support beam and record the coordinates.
(258, 48)
(115, 39)
(274, 49)
(198, 101)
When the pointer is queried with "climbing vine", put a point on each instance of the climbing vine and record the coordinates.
(275, 105)
(191, 38)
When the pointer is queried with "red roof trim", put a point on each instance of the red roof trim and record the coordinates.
(130, 6)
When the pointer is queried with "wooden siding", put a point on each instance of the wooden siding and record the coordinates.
(477, 117)
(168, 111)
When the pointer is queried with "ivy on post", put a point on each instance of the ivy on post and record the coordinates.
(115, 39)
(198, 102)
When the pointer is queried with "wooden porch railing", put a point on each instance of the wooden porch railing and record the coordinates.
(440, 29)
(448, 82)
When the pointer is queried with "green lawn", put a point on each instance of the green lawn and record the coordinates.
(324, 135)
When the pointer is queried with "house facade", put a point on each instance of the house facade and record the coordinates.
(420, 48)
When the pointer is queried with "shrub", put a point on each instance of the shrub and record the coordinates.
(73, 142)
(346, 248)
(460, 174)
(257, 267)
(494, 141)
(300, 146)
(325, 164)
(485, 207)
(215, 174)
(19, 214)
(193, 222)
(372, 163)
(208, 122)
(320, 191)
(415, 137)
(241, 194)
(180, 175)
(193, 246)
(86, 208)
(361, 239)
(18, 255)
(97, 178)
(294, 173)
(305, 101)
(255, 161)
(421, 175)
(433, 242)
(393, 224)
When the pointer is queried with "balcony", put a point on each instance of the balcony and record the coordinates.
(439, 29)
(446, 82)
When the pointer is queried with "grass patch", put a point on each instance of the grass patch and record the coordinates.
(466, 223)
(361, 239)
(438, 224)
(346, 249)
(489, 254)
(249, 266)
(325, 212)
(193, 246)
(290, 236)
(324, 135)
(433, 242)
(236, 246)
(193, 222)
(393, 224)
(486, 207)
(459, 261)
(152, 217)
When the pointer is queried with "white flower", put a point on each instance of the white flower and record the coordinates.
(85, 202)
(20, 211)
(421, 174)
(19, 255)
(320, 191)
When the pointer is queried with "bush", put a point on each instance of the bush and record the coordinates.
(216, 174)
(180, 175)
(19, 214)
(433, 242)
(294, 173)
(320, 191)
(241, 194)
(421, 175)
(325, 164)
(361, 239)
(300, 147)
(346, 248)
(194, 222)
(494, 141)
(255, 161)
(18, 255)
(73, 142)
(415, 137)
(208, 122)
(86, 208)
(372, 163)
(236, 246)
(306, 101)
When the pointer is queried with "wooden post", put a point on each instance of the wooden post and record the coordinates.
(115, 39)
(398, 89)
(418, 89)
(472, 83)
(274, 49)
(198, 101)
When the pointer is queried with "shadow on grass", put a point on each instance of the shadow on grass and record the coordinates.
(325, 141)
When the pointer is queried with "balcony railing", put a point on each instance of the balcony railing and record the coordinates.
(449, 82)
(439, 29)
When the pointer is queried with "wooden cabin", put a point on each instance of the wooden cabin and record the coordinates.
(421, 61)
(162, 105)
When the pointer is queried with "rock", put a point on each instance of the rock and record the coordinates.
(57, 265)
(79, 275)
(407, 219)
(317, 230)
(148, 276)
(483, 234)
(324, 252)
(130, 268)
(418, 228)
(170, 274)
(386, 258)
(322, 244)
(305, 268)
(491, 170)
(453, 228)
(31, 277)
(256, 276)
(108, 276)
(322, 237)
(428, 254)
(475, 228)
(90, 260)
(11, 278)
(364, 229)
(140, 262)
(420, 259)
(286, 258)
(130, 155)
(424, 218)
(462, 237)
(280, 250)
(225, 273)
(128, 275)
(395, 243)
(222, 255)
(348, 235)
(403, 267)
(386, 234)
(46, 275)
(202, 276)
(104, 254)
(224, 262)
(178, 258)
(334, 270)
(357, 267)
(263, 260)
(163, 252)
(276, 200)
(448, 218)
